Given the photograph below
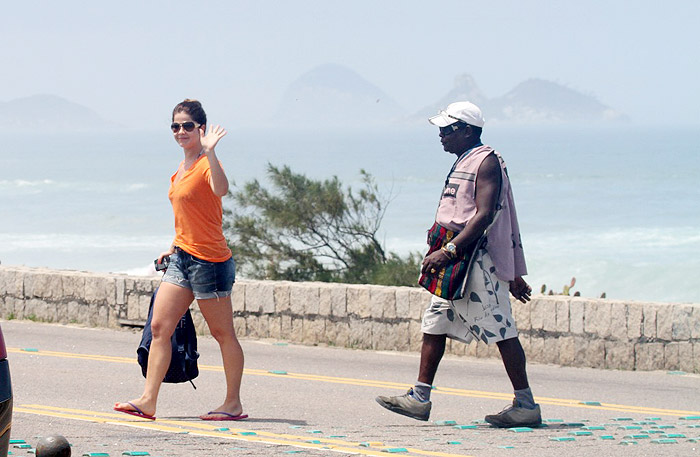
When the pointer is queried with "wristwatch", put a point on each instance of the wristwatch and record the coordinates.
(450, 249)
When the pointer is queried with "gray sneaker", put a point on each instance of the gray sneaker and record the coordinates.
(407, 405)
(515, 416)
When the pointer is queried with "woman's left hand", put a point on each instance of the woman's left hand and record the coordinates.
(210, 140)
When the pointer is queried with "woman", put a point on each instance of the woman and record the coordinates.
(201, 266)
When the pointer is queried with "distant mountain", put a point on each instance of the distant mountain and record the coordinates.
(334, 95)
(534, 101)
(537, 100)
(465, 88)
(49, 113)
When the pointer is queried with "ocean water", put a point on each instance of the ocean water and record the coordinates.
(617, 208)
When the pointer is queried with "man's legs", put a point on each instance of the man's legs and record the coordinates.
(431, 353)
(524, 411)
(513, 357)
(416, 402)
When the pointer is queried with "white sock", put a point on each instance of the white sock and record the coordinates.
(421, 391)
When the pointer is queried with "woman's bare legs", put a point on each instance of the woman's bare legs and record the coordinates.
(219, 316)
(171, 303)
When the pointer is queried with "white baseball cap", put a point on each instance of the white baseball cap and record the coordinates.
(456, 112)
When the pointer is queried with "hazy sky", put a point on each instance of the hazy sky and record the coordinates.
(132, 61)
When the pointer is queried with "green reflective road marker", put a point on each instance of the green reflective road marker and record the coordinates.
(222, 429)
(552, 420)
(314, 441)
(277, 372)
(395, 450)
(622, 418)
(506, 447)
(636, 437)
(454, 442)
(606, 437)
(663, 426)
(96, 454)
(681, 373)
(136, 453)
(593, 427)
(629, 427)
(30, 350)
(562, 438)
(466, 427)
(520, 429)
(628, 442)
(247, 433)
(580, 433)
(17, 441)
(22, 446)
(673, 435)
(664, 441)
(690, 418)
(445, 422)
(589, 403)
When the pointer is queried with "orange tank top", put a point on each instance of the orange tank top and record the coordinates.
(198, 214)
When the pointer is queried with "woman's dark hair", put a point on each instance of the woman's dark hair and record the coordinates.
(193, 108)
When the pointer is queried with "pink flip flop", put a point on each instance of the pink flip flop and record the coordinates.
(136, 412)
(227, 416)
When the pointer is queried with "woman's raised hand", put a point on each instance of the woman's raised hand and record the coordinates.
(209, 141)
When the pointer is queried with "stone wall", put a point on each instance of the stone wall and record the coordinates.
(562, 330)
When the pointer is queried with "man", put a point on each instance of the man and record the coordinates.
(476, 201)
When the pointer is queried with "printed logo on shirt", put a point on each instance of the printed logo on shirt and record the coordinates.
(450, 190)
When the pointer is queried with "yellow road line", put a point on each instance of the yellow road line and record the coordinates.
(571, 403)
(208, 430)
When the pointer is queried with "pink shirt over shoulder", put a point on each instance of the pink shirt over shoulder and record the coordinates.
(458, 206)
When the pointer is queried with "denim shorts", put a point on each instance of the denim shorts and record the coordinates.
(205, 279)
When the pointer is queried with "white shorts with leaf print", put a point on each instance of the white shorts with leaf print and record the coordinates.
(483, 313)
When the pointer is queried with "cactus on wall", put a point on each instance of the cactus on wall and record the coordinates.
(566, 290)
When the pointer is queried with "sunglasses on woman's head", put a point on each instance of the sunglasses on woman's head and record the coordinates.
(188, 126)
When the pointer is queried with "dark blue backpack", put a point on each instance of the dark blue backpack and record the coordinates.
(183, 364)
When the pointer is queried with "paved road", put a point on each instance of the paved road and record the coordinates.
(66, 379)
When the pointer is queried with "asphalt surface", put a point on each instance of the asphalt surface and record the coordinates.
(319, 401)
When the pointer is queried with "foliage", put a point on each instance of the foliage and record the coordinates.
(309, 230)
